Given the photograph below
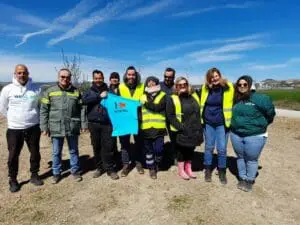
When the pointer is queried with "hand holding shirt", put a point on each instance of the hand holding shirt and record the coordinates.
(123, 114)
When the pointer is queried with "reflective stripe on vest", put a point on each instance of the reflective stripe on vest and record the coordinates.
(125, 92)
(152, 119)
(60, 93)
(227, 103)
(177, 105)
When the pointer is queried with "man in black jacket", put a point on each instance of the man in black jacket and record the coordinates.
(100, 127)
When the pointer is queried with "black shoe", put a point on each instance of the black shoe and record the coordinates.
(36, 180)
(207, 174)
(222, 176)
(98, 173)
(14, 186)
(55, 179)
(77, 177)
(125, 170)
(248, 186)
(113, 175)
(153, 174)
(241, 184)
(140, 168)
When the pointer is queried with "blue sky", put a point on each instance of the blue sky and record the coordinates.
(260, 38)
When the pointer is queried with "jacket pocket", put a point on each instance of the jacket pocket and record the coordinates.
(55, 126)
(75, 126)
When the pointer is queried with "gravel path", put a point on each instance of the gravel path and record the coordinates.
(287, 113)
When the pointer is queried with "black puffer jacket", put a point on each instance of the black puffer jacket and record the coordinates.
(95, 112)
(190, 126)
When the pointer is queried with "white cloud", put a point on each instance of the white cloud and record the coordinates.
(4, 28)
(268, 67)
(73, 14)
(110, 10)
(147, 10)
(11, 12)
(183, 45)
(187, 13)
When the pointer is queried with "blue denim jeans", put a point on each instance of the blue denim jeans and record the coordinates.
(248, 150)
(215, 136)
(57, 147)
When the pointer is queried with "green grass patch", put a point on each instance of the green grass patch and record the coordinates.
(286, 99)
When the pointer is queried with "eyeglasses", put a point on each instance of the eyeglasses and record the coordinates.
(242, 85)
(169, 77)
(21, 73)
(65, 77)
(182, 85)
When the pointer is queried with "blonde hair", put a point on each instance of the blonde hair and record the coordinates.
(209, 76)
(178, 79)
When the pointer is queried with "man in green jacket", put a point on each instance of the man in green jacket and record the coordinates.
(62, 116)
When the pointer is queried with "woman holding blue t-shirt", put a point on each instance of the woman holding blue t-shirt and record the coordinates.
(251, 115)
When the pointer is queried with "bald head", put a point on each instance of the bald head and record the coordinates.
(21, 73)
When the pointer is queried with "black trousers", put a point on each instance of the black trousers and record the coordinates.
(103, 146)
(184, 153)
(15, 141)
(136, 154)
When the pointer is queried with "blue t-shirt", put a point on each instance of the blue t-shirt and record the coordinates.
(123, 114)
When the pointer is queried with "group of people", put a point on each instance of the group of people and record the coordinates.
(170, 107)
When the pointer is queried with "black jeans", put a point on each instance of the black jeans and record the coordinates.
(15, 141)
(137, 154)
(103, 145)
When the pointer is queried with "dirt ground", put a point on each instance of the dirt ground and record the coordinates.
(138, 199)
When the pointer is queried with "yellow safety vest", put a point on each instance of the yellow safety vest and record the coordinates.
(152, 119)
(177, 104)
(125, 92)
(227, 102)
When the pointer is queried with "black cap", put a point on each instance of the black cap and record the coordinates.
(114, 75)
(246, 78)
(154, 79)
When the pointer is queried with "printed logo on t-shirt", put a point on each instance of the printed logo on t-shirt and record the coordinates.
(120, 107)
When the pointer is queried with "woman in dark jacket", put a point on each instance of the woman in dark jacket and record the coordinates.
(183, 112)
(252, 113)
(153, 123)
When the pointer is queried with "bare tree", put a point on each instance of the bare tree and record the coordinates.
(74, 65)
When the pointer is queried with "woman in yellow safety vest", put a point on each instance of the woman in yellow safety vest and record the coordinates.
(183, 112)
(216, 111)
(153, 123)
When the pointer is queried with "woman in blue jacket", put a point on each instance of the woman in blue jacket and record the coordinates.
(251, 115)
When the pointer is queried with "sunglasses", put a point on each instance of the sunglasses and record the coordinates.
(182, 85)
(65, 77)
(242, 85)
(21, 73)
(169, 77)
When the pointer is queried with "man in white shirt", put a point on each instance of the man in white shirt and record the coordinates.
(19, 103)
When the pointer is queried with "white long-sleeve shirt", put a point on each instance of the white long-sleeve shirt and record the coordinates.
(20, 104)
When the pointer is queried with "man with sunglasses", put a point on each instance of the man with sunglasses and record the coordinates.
(19, 103)
(62, 116)
(167, 85)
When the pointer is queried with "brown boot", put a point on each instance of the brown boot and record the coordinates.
(125, 170)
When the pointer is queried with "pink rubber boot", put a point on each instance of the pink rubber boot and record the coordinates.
(188, 169)
(181, 172)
